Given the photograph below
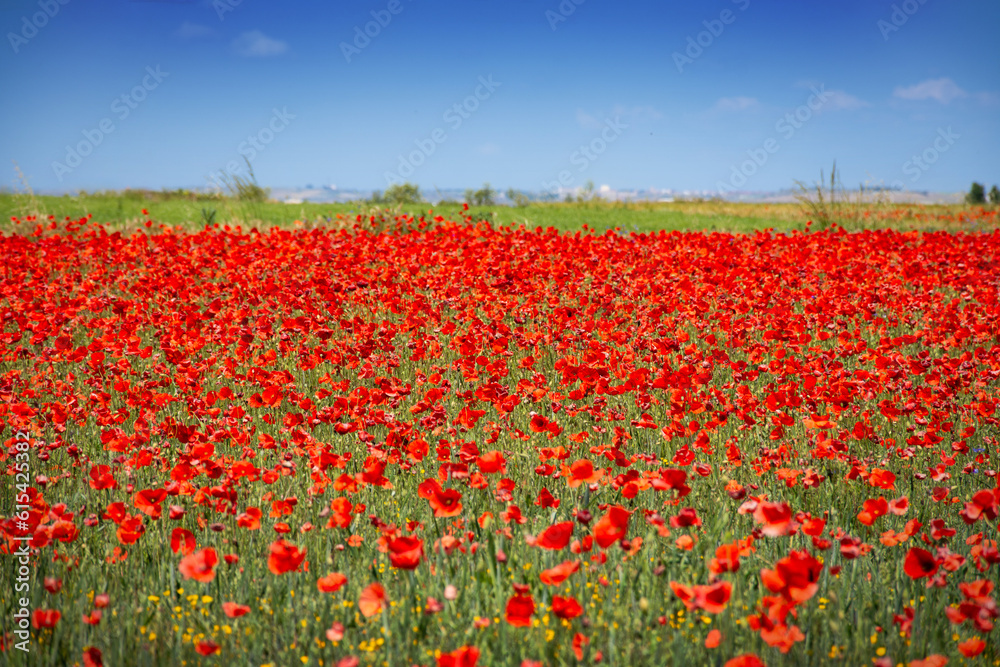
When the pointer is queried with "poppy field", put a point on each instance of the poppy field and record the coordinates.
(416, 441)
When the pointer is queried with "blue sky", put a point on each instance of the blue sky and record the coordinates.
(123, 93)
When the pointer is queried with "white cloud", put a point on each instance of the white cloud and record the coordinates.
(943, 90)
(832, 100)
(190, 30)
(838, 99)
(257, 44)
(736, 104)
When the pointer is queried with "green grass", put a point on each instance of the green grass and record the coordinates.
(123, 211)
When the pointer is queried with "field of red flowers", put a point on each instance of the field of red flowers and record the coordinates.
(422, 442)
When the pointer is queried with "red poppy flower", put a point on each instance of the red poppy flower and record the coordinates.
(545, 499)
(872, 510)
(492, 462)
(371, 600)
(284, 557)
(558, 574)
(977, 591)
(727, 559)
(795, 577)
(780, 636)
(92, 657)
(130, 530)
(249, 519)
(335, 632)
(341, 513)
(182, 541)
(567, 608)
(685, 593)
(148, 502)
(101, 478)
(556, 536)
(972, 647)
(711, 598)
(984, 504)
(446, 502)
(45, 618)
(882, 479)
(935, 660)
(899, 506)
(905, 620)
(513, 513)
(519, 610)
(685, 518)
(582, 472)
(775, 517)
(207, 647)
(235, 610)
(467, 656)
(612, 526)
(405, 552)
(919, 563)
(745, 660)
(199, 565)
(331, 583)
(539, 424)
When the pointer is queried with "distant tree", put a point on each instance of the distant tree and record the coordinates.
(977, 194)
(484, 196)
(994, 195)
(405, 193)
(519, 198)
